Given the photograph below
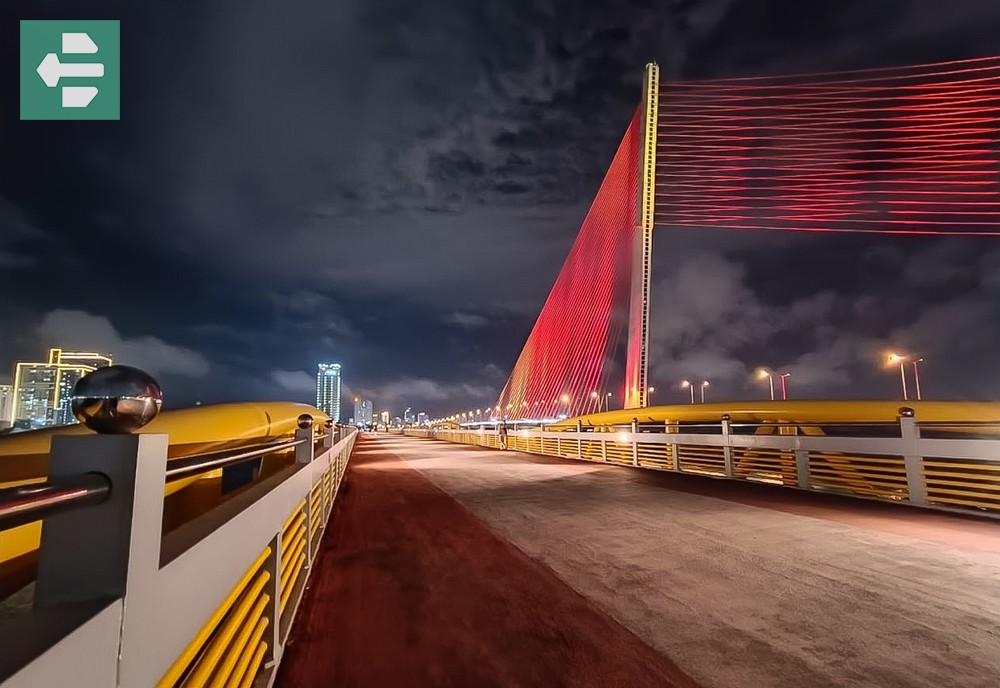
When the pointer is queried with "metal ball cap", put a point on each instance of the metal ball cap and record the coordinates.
(116, 399)
(305, 421)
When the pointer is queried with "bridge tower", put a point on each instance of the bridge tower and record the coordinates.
(637, 362)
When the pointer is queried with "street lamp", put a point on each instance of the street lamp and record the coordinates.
(893, 359)
(704, 384)
(916, 377)
(597, 400)
(607, 404)
(688, 385)
(565, 399)
(649, 395)
(761, 374)
(784, 388)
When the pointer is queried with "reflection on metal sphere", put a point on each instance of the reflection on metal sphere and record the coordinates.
(305, 421)
(906, 412)
(116, 399)
(328, 423)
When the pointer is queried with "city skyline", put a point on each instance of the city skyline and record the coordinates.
(420, 242)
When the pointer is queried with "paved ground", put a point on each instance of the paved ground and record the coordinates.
(730, 584)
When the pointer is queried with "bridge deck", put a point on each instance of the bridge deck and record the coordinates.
(453, 565)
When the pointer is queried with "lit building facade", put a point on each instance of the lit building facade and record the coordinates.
(328, 390)
(362, 411)
(422, 418)
(43, 392)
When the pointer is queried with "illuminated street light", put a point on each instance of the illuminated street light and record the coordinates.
(784, 388)
(893, 359)
(761, 374)
(687, 385)
(649, 395)
(916, 377)
(704, 384)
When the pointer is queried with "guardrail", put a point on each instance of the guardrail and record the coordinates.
(953, 468)
(117, 603)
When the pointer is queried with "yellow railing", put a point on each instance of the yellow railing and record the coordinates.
(228, 649)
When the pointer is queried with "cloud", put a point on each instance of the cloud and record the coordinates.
(469, 321)
(80, 330)
(414, 390)
(297, 381)
(16, 233)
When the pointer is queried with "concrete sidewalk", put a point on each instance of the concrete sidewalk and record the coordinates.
(745, 595)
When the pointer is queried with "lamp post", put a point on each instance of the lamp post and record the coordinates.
(649, 395)
(688, 385)
(704, 384)
(916, 377)
(597, 400)
(761, 374)
(784, 387)
(894, 359)
(565, 400)
(607, 403)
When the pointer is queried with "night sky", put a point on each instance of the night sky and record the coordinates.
(394, 185)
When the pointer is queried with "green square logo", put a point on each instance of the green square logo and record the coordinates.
(70, 70)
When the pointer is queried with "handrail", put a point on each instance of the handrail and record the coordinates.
(201, 463)
(29, 503)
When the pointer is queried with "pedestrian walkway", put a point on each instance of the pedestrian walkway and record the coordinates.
(450, 565)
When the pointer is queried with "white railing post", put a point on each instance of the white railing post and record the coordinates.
(95, 552)
(635, 441)
(727, 447)
(579, 439)
(604, 446)
(304, 454)
(916, 487)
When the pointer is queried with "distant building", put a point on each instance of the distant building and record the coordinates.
(43, 391)
(421, 418)
(328, 390)
(408, 416)
(363, 413)
(6, 406)
(384, 417)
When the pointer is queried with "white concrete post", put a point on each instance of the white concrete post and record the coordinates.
(635, 441)
(97, 551)
(727, 447)
(914, 462)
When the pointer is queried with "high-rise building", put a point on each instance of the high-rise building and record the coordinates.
(328, 390)
(367, 412)
(6, 406)
(384, 417)
(421, 418)
(43, 391)
(408, 416)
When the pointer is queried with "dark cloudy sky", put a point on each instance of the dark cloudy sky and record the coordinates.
(394, 184)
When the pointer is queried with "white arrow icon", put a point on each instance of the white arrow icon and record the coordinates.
(78, 43)
(51, 69)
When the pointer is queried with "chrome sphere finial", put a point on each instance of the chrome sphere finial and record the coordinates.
(305, 421)
(116, 399)
(328, 423)
(906, 412)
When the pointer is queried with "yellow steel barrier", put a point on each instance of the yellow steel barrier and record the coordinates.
(24, 455)
(182, 663)
(210, 660)
(801, 412)
(250, 649)
(287, 588)
(243, 644)
(251, 674)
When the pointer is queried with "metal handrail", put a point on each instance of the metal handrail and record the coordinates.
(210, 461)
(30, 503)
